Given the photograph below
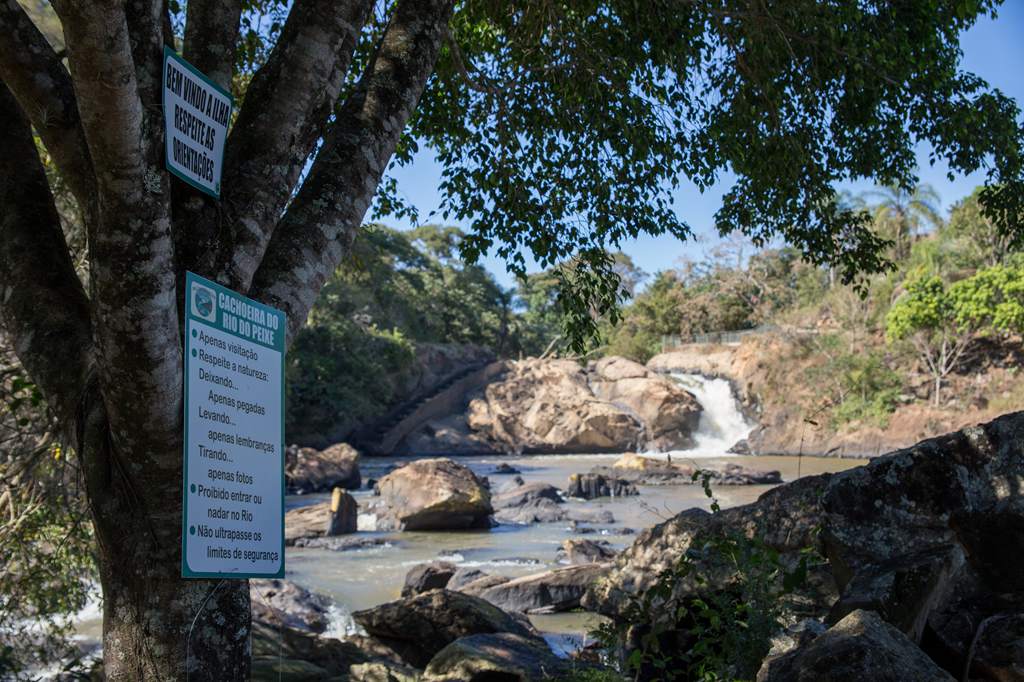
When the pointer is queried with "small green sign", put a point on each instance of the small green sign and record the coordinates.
(233, 492)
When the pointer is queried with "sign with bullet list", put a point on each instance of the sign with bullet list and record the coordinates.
(233, 506)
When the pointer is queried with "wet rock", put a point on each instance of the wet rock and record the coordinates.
(529, 503)
(276, 602)
(309, 521)
(581, 551)
(425, 577)
(904, 590)
(310, 471)
(860, 647)
(547, 406)
(651, 471)
(552, 591)
(432, 494)
(480, 584)
(501, 657)
(590, 486)
(343, 514)
(503, 469)
(419, 627)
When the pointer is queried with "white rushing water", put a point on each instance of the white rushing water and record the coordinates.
(722, 423)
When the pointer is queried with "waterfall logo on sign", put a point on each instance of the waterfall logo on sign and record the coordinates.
(204, 303)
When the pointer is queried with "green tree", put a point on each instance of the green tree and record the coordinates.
(977, 236)
(901, 213)
(561, 129)
(941, 321)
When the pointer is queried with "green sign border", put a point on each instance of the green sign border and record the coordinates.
(171, 54)
(190, 278)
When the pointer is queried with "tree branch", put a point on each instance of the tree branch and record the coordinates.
(42, 302)
(322, 220)
(211, 33)
(42, 86)
(130, 251)
(287, 107)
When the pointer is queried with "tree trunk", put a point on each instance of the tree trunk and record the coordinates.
(937, 390)
(157, 626)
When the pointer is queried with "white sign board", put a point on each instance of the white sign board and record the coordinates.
(196, 116)
(233, 497)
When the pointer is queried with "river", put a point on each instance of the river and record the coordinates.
(358, 579)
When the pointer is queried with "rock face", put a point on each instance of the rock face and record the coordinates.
(591, 486)
(860, 647)
(307, 470)
(547, 406)
(432, 494)
(669, 413)
(501, 657)
(928, 539)
(419, 627)
(785, 518)
(426, 577)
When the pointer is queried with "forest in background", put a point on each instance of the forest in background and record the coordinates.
(951, 304)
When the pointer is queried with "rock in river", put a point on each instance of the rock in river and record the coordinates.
(503, 657)
(591, 486)
(419, 627)
(552, 591)
(432, 494)
(311, 471)
(426, 577)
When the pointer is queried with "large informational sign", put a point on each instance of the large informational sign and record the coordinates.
(196, 116)
(233, 506)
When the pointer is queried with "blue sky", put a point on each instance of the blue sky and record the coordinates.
(993, 49)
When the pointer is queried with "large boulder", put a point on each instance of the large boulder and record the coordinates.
(419, 627)
(860, 647)
(432, 494)
(503, 657)
(669, 412)
(786, 518)
(547, 406)
(552, 591)
(308, 470)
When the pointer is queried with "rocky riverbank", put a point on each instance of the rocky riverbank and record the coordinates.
(918, 562)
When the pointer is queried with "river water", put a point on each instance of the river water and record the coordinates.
(358, 579)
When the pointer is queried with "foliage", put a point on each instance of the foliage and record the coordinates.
(562, 129)
(717, 631)
(901, 214)
(992, 301)
(858, 382)
(48, 569)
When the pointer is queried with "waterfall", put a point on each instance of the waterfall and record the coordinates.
(722, 423)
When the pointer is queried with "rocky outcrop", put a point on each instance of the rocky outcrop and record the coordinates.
(493, 657)
(668, 412)
(419, 627)
(432, 494)
(927, 538)
(312, 471)
(591, 486)
(860, 647)
(547, 406)
(343, 514)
